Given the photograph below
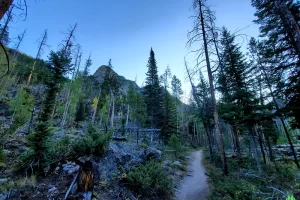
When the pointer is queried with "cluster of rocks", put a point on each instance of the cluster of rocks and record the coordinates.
(285, 150)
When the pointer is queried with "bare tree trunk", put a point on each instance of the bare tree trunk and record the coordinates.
(270, 149)
(42, 44)
(127, 116)
(260, 140)
(77, 64)
(254, 148)
(237, 141)
(212, 91)
(209, 143)
(95, 111)
(113, 110)
(4, 6)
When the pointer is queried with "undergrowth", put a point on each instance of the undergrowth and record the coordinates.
(150, 179)
(244, 182)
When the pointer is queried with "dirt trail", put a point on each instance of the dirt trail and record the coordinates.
(194, 186)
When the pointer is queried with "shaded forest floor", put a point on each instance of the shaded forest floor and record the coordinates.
(245, 183)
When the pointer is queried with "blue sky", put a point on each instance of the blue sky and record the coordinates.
(125, 30)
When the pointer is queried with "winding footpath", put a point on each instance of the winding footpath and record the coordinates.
(195, 185)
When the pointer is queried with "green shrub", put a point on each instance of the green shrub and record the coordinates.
(175, 144)
(150, 178)
(93, 142)
(2, 157)
(143, 145)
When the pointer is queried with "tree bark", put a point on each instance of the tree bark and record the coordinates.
(127, 116)
(113, 110)
(254, 147)
(209, 143)
(212, 91)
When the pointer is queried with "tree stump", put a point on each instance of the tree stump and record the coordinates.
(86, 177)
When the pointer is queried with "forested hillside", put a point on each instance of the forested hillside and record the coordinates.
(229, 130)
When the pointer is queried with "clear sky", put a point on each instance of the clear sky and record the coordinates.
(125, 30)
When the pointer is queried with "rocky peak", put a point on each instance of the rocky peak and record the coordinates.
(100, 73)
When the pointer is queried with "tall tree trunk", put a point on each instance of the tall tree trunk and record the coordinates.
(209, 143)
(260, 140)
(254, 148)
(95, 111)
(113, 110)
(237, 141)
(270, 149)
(42, 44)
(4, 6)
(127, 115)
(290, 24)
(213, 96)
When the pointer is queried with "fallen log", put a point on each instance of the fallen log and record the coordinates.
(119, 138)
(71, 186)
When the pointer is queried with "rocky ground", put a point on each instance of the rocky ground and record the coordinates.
(109, 172)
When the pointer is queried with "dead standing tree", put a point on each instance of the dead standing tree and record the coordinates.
(199, 34)
(38, 55)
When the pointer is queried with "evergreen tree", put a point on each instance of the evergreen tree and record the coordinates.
(137, 105)
(59, 65)
(240, 102)
(169, 116)
(88, 64)
(153, 93)
(110, 64)
(4, 35)
(176, 87)
(279, 23)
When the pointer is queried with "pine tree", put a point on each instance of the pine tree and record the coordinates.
(279, 23)
(153, 93)
(240, 101)
(59, 65)
(176, 87)
(177, 92)
(137, 105)
(169, 116)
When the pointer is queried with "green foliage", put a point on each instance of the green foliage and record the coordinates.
(279, 51)
(169, 117)
(2, 157)
(22, 106)
(290, 197)
(94, 142)
(243, 183)
(144, 145)
(150, 178)
(175, 144)
(176, 87)
(153, 93)
(137, 105)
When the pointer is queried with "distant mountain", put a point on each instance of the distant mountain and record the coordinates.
(98, 76)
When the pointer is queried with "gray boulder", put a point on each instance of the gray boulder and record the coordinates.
(152, 154)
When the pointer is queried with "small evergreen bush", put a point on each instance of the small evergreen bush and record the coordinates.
(94, 142)
(150, 178)
(175, 144)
